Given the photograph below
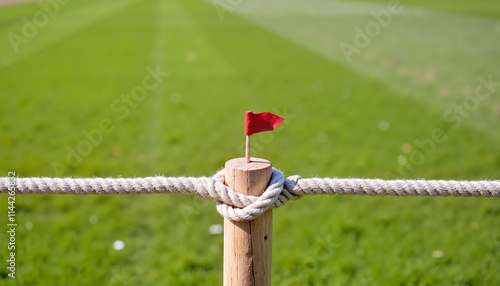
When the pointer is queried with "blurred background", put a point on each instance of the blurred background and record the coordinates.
(372, 89)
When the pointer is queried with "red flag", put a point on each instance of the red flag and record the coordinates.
(260, 122)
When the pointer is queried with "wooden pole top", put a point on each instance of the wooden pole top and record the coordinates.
(248, 178)
(241, 164)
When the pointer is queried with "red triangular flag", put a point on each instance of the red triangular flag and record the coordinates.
(260, 122)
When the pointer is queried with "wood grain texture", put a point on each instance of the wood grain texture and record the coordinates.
(248, 244)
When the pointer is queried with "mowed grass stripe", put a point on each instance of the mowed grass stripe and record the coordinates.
(483, 8)
(196, 110)
(336, 112)
(71, 89)
(28, 36)
(411, 50)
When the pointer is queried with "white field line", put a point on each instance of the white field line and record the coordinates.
(431, 55)
(63, 24)
(153, 122)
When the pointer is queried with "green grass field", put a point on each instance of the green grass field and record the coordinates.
(412, 102)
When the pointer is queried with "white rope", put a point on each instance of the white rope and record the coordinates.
(281, 190)
(204, 187)
(239, 207)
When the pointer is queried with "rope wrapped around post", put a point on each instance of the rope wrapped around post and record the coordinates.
(238, 207)
(281, 190)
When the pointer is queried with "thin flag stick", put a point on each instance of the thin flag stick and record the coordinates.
(247, 150)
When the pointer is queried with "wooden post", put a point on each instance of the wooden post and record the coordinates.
(248, 244)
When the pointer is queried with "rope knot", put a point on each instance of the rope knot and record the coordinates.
(278, 192)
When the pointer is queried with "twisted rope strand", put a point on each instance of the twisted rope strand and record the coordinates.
(204, 187)
(238, 207)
